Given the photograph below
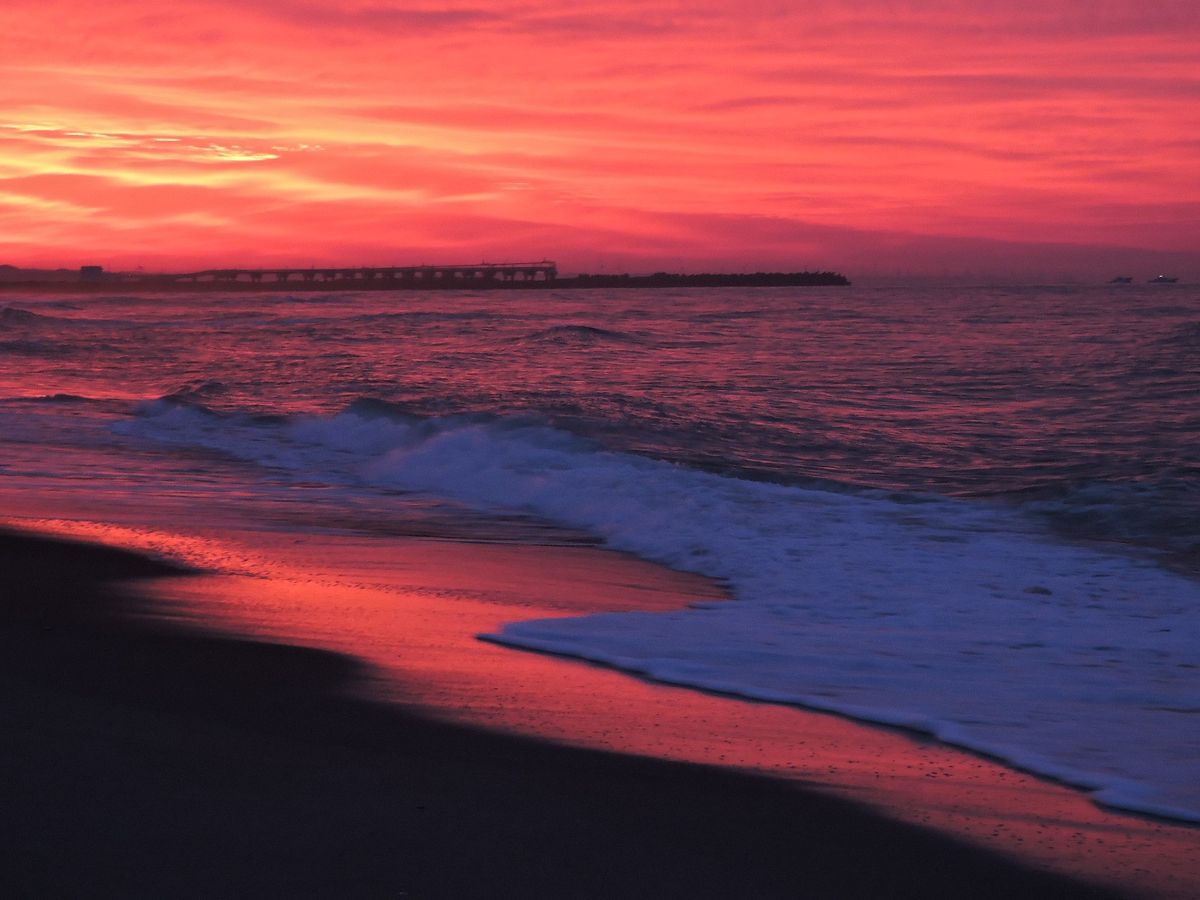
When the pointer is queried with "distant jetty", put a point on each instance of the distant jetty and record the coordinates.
(481, 276)
(715, 279)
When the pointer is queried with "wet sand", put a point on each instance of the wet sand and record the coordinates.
(145, 758)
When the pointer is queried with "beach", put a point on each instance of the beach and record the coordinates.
(616, 450)
(487, 597)
(151, 756)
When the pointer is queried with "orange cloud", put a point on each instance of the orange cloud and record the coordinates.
(662, 133)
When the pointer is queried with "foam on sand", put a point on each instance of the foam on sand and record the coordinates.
(962, 620)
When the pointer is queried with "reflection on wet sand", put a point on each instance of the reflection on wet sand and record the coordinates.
(412, 608)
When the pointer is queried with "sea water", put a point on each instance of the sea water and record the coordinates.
(972, 512)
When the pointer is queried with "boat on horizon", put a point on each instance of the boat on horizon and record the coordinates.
(1122, 279)
(1162, 279)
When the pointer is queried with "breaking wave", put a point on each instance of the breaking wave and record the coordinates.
(943, 616)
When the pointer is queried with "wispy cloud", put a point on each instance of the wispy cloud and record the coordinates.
(218, 128)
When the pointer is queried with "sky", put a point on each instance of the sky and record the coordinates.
(1016, 139)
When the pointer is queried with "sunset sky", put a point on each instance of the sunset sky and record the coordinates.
(942, 138)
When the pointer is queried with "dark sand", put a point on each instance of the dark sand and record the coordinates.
(144, 760)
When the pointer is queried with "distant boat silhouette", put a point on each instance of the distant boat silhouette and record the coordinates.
(1162, 279)
(1122, 279)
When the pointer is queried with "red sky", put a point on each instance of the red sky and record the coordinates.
(1003, 138)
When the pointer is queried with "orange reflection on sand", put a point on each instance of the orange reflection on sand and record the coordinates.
(411, 609)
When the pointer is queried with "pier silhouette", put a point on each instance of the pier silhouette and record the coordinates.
(480, 274)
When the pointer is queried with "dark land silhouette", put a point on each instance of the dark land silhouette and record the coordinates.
(482, 276)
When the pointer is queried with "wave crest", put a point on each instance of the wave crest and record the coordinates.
(581, 335)
(15, 315)
(951, 617)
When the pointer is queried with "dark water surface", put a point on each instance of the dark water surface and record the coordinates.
(883, 476)
(1081, 403)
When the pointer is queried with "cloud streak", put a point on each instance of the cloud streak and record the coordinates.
(377, 130)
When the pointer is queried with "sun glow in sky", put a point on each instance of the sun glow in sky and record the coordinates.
(1014, 137)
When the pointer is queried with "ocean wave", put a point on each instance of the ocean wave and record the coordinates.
(1159, 512)
(179, 412)
(64, 407)
(15, 315)
(960, 619)
(1185, 336)
(52, 399)
(581, 335)
(18, 317)
(34, 348)
(195, 392)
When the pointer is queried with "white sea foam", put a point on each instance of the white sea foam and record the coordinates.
(958, 619)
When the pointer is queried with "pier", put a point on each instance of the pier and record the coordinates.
(478, 275)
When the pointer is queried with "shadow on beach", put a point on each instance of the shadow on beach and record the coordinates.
(142, 759)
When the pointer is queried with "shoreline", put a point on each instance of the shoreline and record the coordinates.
(149, 758)
(914, 734)
(439, 681)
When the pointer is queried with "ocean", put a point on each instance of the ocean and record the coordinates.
(973, 512)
